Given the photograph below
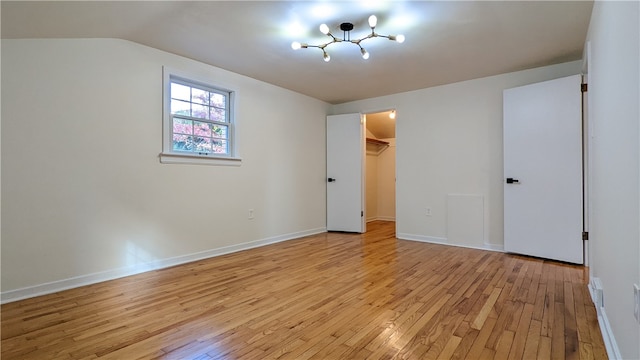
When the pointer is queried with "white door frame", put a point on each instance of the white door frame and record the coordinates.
(587, 128)
(364, 154)
(365, 113)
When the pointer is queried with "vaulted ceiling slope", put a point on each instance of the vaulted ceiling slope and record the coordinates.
(446, 41)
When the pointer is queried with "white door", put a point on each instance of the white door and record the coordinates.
(345, 173)
(543, 170)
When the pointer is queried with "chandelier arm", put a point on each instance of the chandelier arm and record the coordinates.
(333, 38)
(370, 36)
(391, 37)
(322, 46)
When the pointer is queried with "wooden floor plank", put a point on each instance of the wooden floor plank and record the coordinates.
(571, 346)
(521, 334)
(544, 348)
(464, 348)
(327, 296)
(478, 322)
(533, 340)
(581, 315)
(449, 348)
(504, 344)
(557, 338)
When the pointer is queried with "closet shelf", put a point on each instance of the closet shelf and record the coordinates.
(375, 146)
(377, 142)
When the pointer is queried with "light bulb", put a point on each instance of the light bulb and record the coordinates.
(373, 21)
(326, 57)
(324, 29)
(296, 45)
(392, 114)
(365, 54)
(400, 38)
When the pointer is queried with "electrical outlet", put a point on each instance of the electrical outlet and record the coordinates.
(251, 214)
(636, 302)
(428, 212)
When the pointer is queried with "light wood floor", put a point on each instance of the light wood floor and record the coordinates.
(328, 296)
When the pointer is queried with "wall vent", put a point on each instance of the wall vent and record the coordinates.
(597, 294)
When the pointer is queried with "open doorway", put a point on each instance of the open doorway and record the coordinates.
(380, 193)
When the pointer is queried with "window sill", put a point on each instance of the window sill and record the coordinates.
(166, 158)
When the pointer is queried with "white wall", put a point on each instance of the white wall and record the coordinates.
(381, 189)
(449, 140)
(371, 191)
(84, 196)
(387, 182)
(614, 115)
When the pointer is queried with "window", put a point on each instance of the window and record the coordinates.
(198, 121)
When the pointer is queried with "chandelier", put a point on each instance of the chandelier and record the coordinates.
(346, 37)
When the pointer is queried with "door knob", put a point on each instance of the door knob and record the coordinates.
(512, 181)
(331, 179)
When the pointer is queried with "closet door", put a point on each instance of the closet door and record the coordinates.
(543, 170)
(345, 173)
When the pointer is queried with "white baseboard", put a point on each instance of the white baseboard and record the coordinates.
(82, 280)
(422, 238)
(443, 241)
(493, 247)
(597, 296)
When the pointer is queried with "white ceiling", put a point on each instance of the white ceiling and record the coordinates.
(446, 41)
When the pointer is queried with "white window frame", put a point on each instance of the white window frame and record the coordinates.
(170, 156)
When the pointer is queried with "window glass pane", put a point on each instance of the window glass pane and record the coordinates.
(202, 144)
(180, 92)
(218, 100)
(220, 131)
(199, 96)
(202, 129)
(182, 143)
(180, 107)
(220, 146)
(200, 111)
(218, 115)
(197, 112)
(182, 126)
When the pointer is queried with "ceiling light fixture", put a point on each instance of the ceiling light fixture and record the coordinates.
(346, 37)
(392, 114)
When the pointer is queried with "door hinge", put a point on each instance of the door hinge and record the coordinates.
(584, 87)
(361, 213)
(585, 235)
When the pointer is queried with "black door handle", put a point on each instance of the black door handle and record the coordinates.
(512, 181)
(331, 179)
